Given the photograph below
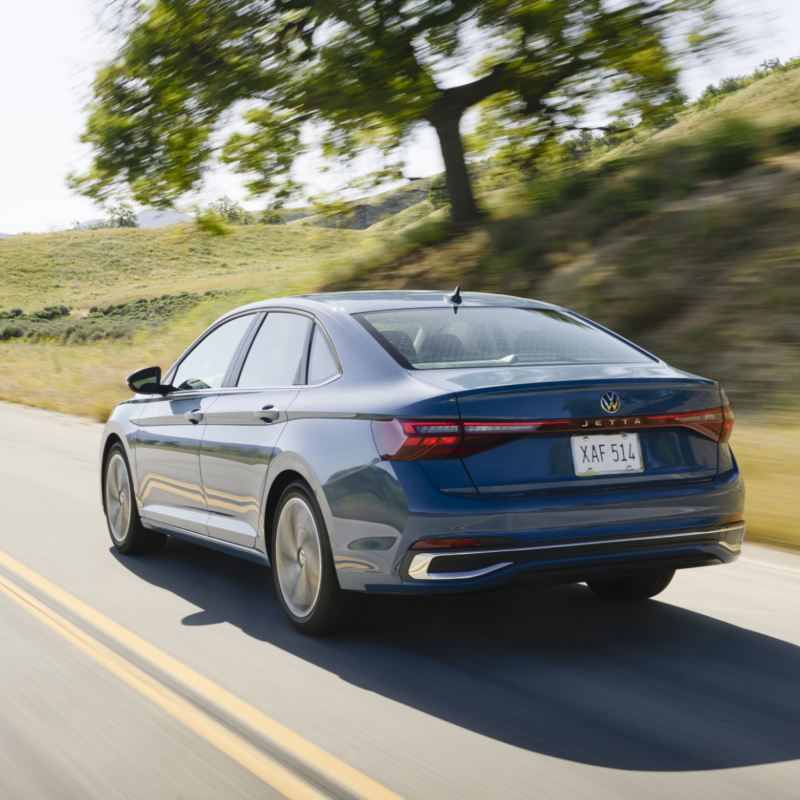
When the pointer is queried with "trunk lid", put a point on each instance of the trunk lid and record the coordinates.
(567, 399)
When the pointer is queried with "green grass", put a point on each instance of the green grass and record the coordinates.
(138, 297)
(80, 269)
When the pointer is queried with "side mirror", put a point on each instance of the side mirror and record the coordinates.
(147, 381)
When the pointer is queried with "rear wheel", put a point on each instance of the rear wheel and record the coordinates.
(302, 566)
(122, 517)
(632, 588)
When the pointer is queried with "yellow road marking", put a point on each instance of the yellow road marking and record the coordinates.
(235, 708)
(204, 726)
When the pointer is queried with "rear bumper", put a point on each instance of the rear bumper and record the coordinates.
(559, 537)
(581, 558)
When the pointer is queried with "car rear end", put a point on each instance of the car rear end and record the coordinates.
(573, 454)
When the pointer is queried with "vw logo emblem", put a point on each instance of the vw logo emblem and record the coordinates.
(610, 402)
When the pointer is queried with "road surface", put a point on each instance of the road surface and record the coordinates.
(175, 675)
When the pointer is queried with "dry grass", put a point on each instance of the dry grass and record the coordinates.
(98, 267)
(769, 457)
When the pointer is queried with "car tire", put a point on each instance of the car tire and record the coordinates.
(302, 566)
(632, 588)
(128, 535)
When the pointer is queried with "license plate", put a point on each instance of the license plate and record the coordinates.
(606, 454)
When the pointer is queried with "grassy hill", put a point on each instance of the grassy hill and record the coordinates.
(687, 240)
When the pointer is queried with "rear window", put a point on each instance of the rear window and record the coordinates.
(438, 338)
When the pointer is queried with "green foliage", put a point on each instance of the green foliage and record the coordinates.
(211, 223)
(366, 75)
(271, 218)
(427, 233)
(733, 146)
(714, 93)
(788, 137)
(122, 215)
(437, 194)
(228, 210)
(118, 321)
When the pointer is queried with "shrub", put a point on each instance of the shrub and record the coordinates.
(9, 331)
(427, 233)
(732, 147)
(271, 218)
(789, 138)
(211, 223)
(437, 194)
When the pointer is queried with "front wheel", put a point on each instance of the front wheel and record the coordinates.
(302, 566)
(124, 526)
(632, 588)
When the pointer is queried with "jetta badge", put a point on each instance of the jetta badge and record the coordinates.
(610, 402)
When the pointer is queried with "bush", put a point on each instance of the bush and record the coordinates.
(732, 147)
(211, 223)
(271, 218)
(789, 138)
(427, 233)
(437, 194)
(9, 331)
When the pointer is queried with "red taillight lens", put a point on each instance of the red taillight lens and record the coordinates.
(708, 422)
(403, 440)
(727, 424)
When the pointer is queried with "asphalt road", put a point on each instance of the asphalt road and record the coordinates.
(175, 676)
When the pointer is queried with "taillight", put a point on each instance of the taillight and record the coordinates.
(404, 440)
(727, 424)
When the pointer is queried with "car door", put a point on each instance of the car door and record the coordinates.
(170, 429)
(244, 425)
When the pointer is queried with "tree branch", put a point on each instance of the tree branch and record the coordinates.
(457, 99)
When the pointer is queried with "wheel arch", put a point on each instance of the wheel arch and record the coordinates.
(109, 442)
(276, 489)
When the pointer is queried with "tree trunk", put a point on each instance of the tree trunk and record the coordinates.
(464, 209)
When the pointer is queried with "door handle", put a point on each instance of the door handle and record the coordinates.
(194, 416)
(268, 413)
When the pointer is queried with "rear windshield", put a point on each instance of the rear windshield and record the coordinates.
(438, 338)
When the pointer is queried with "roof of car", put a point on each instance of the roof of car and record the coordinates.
(353, 302)
(356, 302)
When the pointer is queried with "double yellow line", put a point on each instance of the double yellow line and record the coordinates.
(344, 779)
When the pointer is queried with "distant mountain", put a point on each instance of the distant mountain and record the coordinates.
(4, 235)
(156, 218)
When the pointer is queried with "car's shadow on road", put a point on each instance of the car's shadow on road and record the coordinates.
(645, 687)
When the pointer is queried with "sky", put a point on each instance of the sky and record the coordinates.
(49, 51)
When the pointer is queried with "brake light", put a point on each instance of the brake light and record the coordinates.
(727, 424)
(404, 440)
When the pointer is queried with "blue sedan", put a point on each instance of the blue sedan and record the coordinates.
(425, 442)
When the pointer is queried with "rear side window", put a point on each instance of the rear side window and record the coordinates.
(276, 355)
(438, 338)
(322, 364)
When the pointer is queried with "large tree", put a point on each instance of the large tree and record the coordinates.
(245, 81)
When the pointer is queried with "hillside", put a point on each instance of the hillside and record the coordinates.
(687, 241)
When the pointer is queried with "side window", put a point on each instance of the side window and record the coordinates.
(205, 366)
(322, 364)
(276, 355)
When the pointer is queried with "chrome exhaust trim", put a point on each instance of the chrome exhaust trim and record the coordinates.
(418, 569)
